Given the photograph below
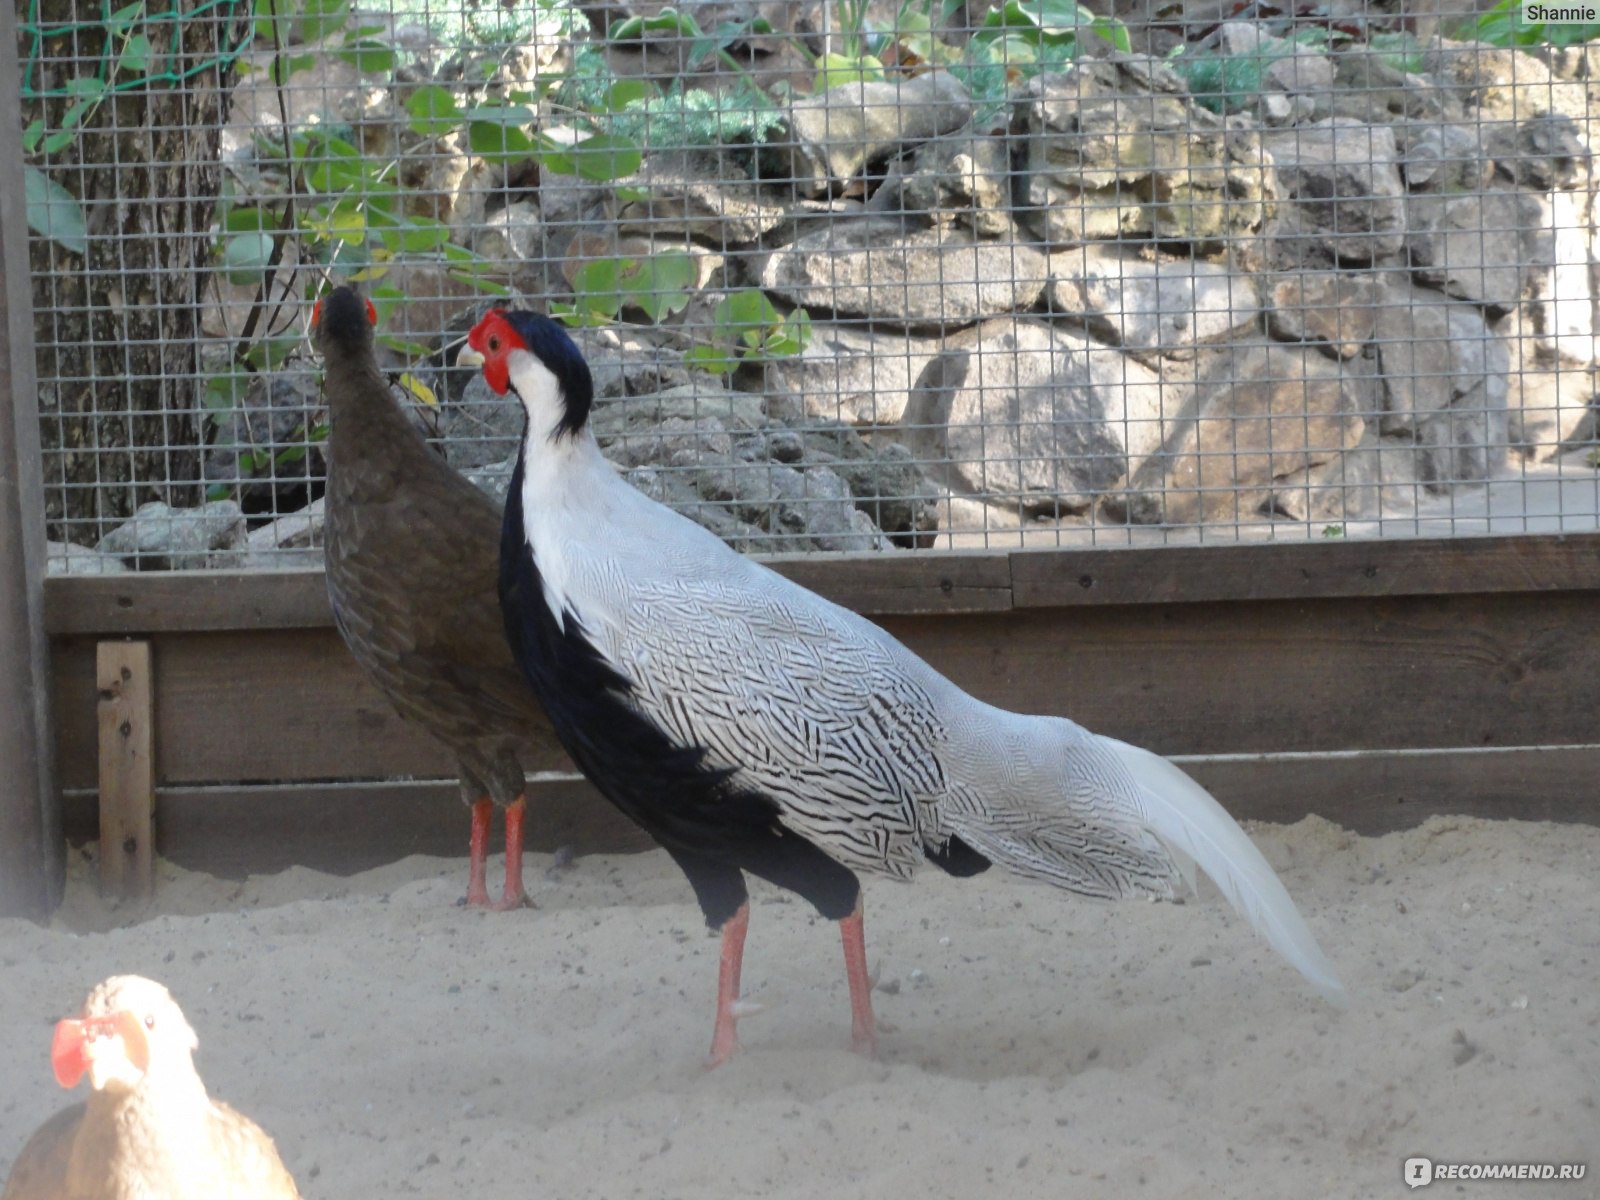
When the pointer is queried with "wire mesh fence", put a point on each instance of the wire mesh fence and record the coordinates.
(870, 275)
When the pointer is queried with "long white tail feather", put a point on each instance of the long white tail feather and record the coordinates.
(1184, 814)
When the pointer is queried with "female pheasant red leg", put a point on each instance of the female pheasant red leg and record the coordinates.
(478, 854)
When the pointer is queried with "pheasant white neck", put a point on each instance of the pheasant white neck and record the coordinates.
(567, 484)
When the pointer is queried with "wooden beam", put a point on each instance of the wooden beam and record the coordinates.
(1268, 677)
(127, 769)
(1306, 570)
(32, 853)
(876, 585)
(233, 831)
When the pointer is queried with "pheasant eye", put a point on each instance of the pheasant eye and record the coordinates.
(494, 343)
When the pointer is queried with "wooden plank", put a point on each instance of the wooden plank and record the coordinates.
(127, 769)
(311, 712)
(1376, 793)
(345, 828)
(1400, 673)
(874, 584)
(32, 857)
(1306, 570)
(187, 602)
(1354, 674)
(213, 601)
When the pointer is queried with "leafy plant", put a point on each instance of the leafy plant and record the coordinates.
(657, 286)
(746, 327)
(1506, 25)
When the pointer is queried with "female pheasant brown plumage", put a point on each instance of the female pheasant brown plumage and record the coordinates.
(412, 553)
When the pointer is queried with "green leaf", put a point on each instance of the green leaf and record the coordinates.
(496, 140)
(481, 284)
(836, 70)
(59, 141)
(659, 285)
(135, 56)
(124, 16)
(433, 111)
(245, 257)
(32, 135)
(251, 220)
(668, 20)
(747, 308)
(418, 235)
(709, 358)
(319, 18)
(629, 91)
(54, 212)
(605, 157)
(400, 346)
(226, 392)
(368, 56)
(85, 87)
(284, 66)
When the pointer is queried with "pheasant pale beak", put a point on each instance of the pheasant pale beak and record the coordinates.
(468, 357)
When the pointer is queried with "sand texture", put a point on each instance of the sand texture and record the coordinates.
(395, 1044)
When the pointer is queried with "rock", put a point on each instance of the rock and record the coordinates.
(837, 133)
(1443, 158)
(297, 531)
(1509, 86)
(633, 416)
(1300, 74)
(674, 490)
(849, 372)
(269, 445)
(294, 540)
(1544, 152)
(69, 558)
(159, 537)
(885, 478)
(1165, 307)
(1444, 378)
(1341, 189)
(699, 194)
(1113, 150)
(479, 428)
(716, 457)
(1482, 247)
(1025, 415)
(513, 239)
(1335, 309)
(959, 179)
(924, 279)
(1252, 442)
(1561, 307)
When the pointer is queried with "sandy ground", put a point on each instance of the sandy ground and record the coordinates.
(1041, 1046)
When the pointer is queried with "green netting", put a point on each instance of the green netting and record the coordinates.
(125, 59)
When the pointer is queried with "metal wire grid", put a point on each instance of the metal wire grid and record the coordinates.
(922, 323)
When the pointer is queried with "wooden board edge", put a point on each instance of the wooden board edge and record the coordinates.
(1306, 570)
(336, 827)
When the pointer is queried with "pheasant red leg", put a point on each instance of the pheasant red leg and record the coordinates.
(863, 1026)
(725, 1034)
(478, 854)
(513, 895)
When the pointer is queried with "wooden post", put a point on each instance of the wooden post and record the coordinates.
(32, 852)
(127, 769)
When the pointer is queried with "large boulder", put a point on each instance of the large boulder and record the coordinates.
(1035, 418)
(919, 279)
